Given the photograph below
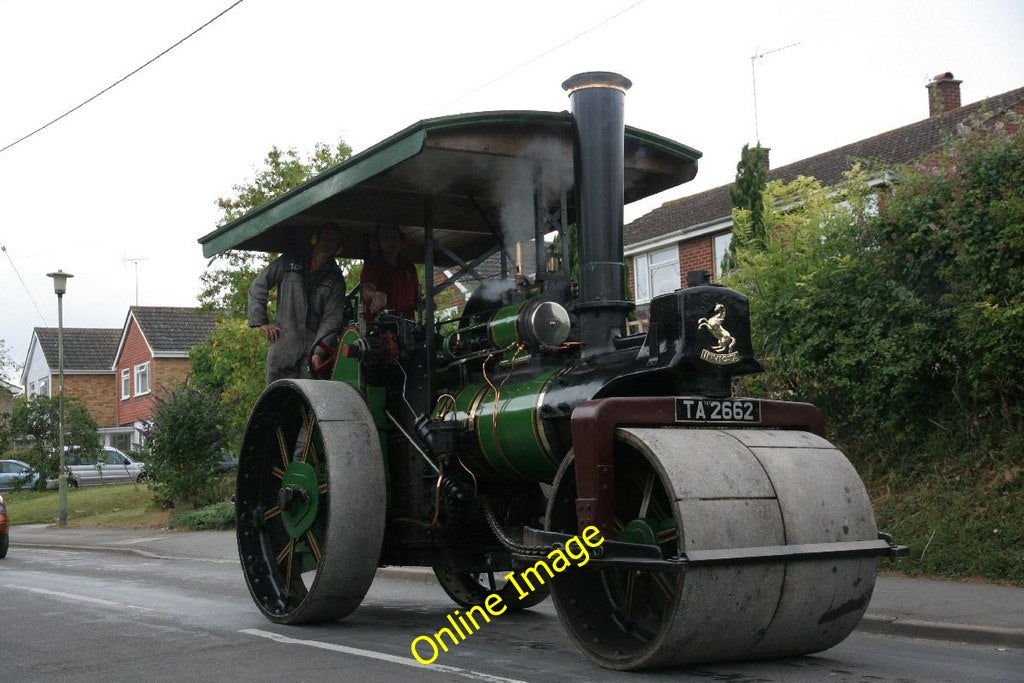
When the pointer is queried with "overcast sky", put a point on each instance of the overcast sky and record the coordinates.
(130, 180)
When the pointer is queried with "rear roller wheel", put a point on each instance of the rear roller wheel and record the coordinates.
(310, 501)
(688, 490)
(467, 589)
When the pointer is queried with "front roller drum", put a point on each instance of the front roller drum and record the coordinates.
(689, 490)
(310, 501)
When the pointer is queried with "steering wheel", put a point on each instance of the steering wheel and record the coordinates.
(329, 351)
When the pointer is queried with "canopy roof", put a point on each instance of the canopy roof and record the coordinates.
(470, 176)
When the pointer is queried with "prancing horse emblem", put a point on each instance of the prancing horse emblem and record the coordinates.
(726, 342)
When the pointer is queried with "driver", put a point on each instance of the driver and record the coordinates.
(310, 304)
(389, 278)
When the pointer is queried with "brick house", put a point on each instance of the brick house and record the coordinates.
(151, 356)
(694, 233)
(7, 393)
(88, 355)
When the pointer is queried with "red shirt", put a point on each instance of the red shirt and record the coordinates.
(399, 283)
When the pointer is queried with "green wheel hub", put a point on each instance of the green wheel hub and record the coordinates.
(299, 498)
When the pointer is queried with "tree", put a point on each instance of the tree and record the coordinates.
(184, 444)
(231, 363)
(39, 418)
(747, 195)
(226, 288)
(7, 365)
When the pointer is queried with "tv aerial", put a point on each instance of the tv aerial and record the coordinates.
(753, 78)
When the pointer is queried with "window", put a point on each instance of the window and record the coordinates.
(656, 272)
(722, 244)
(122, 441)
(126, 383)
(141, 379)
(43, 388)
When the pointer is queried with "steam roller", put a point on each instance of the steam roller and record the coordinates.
(479, 442)
(758, 523)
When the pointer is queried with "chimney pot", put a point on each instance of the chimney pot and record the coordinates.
(943, 94)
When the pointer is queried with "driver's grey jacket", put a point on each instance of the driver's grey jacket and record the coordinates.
(309, 306)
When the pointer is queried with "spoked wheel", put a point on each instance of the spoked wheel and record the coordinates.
(690, 490)
(310, 501)
(468, 589)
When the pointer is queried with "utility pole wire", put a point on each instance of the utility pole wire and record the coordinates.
(120, 80)
(23, 285)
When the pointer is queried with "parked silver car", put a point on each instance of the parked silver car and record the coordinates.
(113, 466)
(15, 473)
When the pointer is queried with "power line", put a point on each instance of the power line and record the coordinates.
(23, 285)
(538, 57)
(122, 79)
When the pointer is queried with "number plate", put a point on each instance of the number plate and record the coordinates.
(733, 410)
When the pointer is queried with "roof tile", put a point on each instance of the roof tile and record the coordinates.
(174, 330)
(86, 349)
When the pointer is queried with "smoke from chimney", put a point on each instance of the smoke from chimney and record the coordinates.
(943, 94)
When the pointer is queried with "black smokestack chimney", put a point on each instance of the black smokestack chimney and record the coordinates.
(599, 136)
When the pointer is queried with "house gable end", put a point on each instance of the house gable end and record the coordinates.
(129, 324)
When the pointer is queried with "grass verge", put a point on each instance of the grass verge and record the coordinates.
(960, 522)
(122, 506)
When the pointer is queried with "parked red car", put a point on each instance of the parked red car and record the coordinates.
(5, 526)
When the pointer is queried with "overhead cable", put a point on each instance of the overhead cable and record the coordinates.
(122, 79)
(24, 286)
(538, 57)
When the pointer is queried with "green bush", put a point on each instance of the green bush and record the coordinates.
(904, 322)
(184, 444)
(218, 516)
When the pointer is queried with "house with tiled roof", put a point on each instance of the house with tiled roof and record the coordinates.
(151, 356)
(694, 233)
(88, 355)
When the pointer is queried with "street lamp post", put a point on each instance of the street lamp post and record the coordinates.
(60, 285)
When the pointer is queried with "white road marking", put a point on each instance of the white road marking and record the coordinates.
(78, 598)
(406, 661)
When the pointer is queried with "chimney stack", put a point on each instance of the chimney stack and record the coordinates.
(943, 94)
(599, 134)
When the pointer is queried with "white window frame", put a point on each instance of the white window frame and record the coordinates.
(142, 379)
(126, 383)
(43, 387)
(719, 248)
(648, 265)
